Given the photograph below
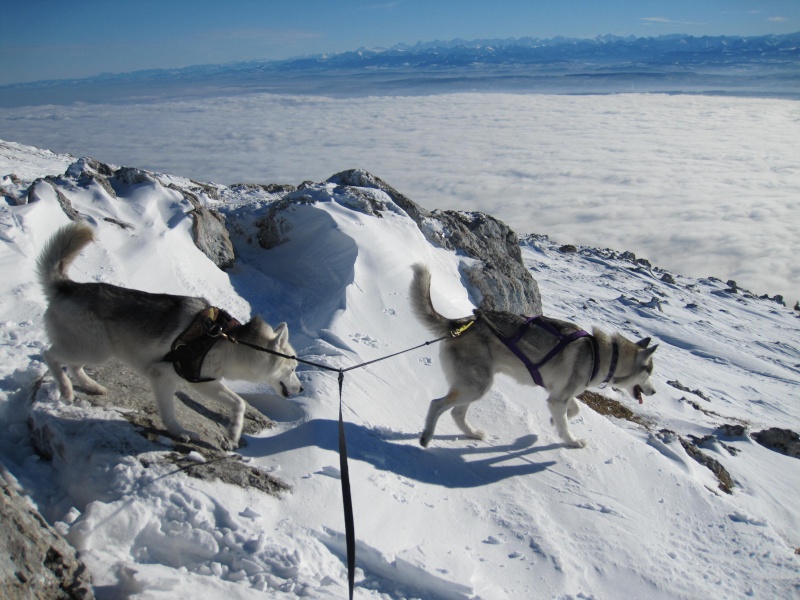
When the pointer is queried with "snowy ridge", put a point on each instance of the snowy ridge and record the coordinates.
(516, 516)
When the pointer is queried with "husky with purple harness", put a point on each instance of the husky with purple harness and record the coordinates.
(556, 355)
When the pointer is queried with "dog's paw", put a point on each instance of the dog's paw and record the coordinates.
(186, 435)
(96, 390)
(230, 444)
(424, 440)
(577, 443)
(477, 434)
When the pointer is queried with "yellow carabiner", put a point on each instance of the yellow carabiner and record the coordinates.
(457, 332)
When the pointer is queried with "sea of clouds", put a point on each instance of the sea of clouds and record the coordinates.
(701, 185)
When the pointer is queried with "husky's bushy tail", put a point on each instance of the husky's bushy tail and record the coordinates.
(59, 252)
(420, 295)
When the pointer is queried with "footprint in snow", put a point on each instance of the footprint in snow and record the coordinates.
(367, 340)
(330, 472)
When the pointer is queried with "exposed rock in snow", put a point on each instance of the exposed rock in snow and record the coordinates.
(208, 226)
(66, 434)
(784, 441)
(37, 563)
(498, 273)
(208, 231)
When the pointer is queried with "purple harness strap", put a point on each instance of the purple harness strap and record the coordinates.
(563, 341)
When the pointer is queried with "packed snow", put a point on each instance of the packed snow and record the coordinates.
(518, 515)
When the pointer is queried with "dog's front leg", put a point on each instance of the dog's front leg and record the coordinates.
(558, 409)
(216, 390)
(164, 382)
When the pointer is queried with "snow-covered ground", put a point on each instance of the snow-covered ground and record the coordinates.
(516, 516)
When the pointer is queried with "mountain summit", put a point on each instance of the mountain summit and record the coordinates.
(687, 495)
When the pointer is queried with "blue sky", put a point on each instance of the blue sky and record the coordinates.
(54, 39)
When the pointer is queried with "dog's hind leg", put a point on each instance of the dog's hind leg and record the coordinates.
(437, 407)
(560, 409)
(458, 398)
(86, 382)
(57, 370)
(216, 390)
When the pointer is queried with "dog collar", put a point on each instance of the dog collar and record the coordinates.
(613, 366)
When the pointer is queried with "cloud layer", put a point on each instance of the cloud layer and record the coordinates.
(699, 185)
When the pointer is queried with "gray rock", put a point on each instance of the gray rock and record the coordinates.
(726, 482)
(208, 227)
(88, 171)
(208, 231)
(668, 278)
(132, 176)
(36, 190)
(133, 428)
(780, 440)
(35, 562)
(500, 276)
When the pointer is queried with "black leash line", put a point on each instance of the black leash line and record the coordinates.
(347, 499)
(344, 469)
(351, 368)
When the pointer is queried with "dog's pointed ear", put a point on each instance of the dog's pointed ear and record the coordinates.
(282, 333)
(643, 343)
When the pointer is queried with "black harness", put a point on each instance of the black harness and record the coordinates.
(190, 348)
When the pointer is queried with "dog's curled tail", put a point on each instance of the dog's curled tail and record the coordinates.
(59, 252)
(420, 295)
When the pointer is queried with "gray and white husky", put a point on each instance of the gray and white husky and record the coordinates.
(88, 323)
(472, 358)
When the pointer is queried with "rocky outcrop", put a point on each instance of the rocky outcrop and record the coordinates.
(90, 444)
(127, 424)
(691, 444)
(780, 440)
(208, 231)
(497, 272)
(36, 563)
(208, 226)
(50, 185)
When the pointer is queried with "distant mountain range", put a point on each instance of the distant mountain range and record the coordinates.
(663, 51)
(606, 64)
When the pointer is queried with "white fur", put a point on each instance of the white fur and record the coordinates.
(89, 323)
(472, 359)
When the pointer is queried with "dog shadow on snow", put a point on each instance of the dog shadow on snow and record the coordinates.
(471, 465)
